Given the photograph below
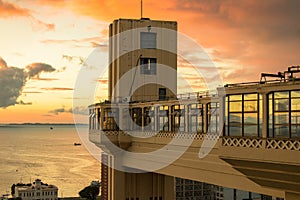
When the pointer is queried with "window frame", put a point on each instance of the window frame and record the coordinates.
(144, 44)
(144, 66)
(243, 112)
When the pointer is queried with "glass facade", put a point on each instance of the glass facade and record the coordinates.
(196, 119)
(110, 119)
(178, 119)
(284, 114)
(149, 118)
(243, 114)
(212, 117)
(163, 118)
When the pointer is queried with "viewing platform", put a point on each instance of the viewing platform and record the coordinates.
(251, 132)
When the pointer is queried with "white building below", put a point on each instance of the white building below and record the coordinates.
(36, 191)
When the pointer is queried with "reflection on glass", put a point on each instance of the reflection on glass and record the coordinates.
(295, 104)
(295, 117)
(236, 97)
(235, 130)
(281, 104)
(250, 118)
(250, 97)
(242, 114)
(281, 95)
(235, 118)
(235, 106)
(295, 94)
(213, 117)
(250, 130)
(281, 131)
(281, 118)
(295, 131)
(250, 106)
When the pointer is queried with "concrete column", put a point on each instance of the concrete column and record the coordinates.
(101, 118)
(143, 119)
(118, 185)
(186, 118)
(120, 118)
(169, 187)
(205, 120)
(292, 196)
(221, 115)
(156, 118)
(264, 118)
(170, 118)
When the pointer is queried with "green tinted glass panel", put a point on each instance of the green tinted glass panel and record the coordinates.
(295, 131)
(281, 118)
(295, 118)
(235, 118)
(250, 118)
(281, 131)
(250, 130)
(235, 130)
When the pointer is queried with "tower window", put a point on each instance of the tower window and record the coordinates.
(148, 66)
(148, 40)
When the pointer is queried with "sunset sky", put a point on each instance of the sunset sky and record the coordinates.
(44, 43)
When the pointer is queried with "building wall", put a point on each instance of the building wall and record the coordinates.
(119, 185)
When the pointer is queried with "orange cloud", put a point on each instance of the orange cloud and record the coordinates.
(58, 88)
(9, 10)
(251, 35)
(12, 10)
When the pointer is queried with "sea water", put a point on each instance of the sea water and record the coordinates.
(47, 152)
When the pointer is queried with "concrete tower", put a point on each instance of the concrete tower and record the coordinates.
(142, 60)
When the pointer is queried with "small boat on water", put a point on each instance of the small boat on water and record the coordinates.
(77, 144)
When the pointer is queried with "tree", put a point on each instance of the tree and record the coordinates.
(13, 189)
(89, 192)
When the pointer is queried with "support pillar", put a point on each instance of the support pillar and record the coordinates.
(265, 116)
(292, 196)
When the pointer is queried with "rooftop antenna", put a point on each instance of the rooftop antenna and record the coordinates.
(141, 9)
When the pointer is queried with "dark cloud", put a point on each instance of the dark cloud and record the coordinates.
(77, 110)
(24, 103)
(80, 110)
(77, 59)
(13, 80)
(34, 69)
(58, 110)
(31, 92)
